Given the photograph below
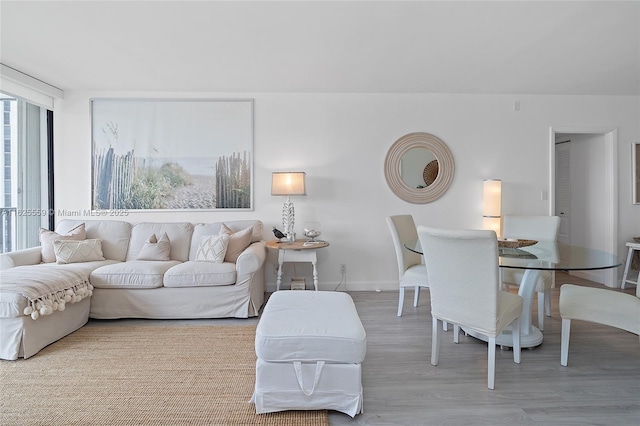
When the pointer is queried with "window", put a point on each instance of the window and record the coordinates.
(26, 203)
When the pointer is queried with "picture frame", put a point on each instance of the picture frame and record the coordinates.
(635, 167)
(172, 154)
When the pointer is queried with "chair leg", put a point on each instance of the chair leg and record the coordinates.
(491, 375)
(400, 301)
(547, 302)
(564, 341)
(541, 297)
(435, 341)
(515, 334)
(416, 295)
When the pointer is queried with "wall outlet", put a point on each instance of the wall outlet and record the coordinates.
(343, 268)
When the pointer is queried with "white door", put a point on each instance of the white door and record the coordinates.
(563, 190)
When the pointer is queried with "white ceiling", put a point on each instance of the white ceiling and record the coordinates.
(575, 47)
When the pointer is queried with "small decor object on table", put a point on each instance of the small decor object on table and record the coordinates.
(515, 243)
(312, 230)
(278, 234)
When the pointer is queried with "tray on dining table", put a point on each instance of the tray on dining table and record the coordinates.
(515, 243)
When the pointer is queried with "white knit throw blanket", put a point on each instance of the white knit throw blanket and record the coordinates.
(47, 288)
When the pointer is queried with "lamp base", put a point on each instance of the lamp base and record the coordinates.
(288, 219)
(289, 238)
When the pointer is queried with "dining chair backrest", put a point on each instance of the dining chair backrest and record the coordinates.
(403, 229)
(531, 227)
(463, 274)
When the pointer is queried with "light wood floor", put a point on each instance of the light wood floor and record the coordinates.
(600, 386)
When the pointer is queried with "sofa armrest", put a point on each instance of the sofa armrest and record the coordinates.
(252, 258)
(30, 256)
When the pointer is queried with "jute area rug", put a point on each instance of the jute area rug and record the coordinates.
(141, 375)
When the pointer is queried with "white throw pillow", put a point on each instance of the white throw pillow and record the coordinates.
(68, 251)
(156, 249)
(48, 237)
(238, 242)
(212, 248)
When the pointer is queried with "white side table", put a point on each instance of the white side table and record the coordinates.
(297, 251)
(625, 277)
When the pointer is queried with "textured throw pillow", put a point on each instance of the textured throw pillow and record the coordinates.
(238, 242)
(156, 249)
(48, 237)
(212, 248)
(68, 251)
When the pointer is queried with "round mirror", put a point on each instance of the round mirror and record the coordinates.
(412, 167)
(419, 168)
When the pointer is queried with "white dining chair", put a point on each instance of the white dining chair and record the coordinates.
(599, 306)
(532, 227)
(411, 270)
(464, 286)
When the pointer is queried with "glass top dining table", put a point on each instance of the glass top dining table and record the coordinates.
(547, 256)
(541, 256)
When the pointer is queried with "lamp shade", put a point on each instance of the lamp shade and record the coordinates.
(493, 224)
(492, 198)
(492, 205)
(288, 183)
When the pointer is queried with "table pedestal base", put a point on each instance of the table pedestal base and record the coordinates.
(531, 340)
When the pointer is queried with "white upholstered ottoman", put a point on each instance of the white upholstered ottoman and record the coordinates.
(310, 346)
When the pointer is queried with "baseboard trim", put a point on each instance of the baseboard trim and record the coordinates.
(349, 286)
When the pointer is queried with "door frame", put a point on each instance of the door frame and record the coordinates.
(610, 165)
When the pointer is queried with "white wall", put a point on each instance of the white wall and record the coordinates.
(341, 140)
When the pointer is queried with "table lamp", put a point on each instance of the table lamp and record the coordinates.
(288, 183)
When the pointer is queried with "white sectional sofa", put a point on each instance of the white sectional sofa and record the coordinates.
(123, 286)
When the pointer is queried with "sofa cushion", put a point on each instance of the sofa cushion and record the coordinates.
(48, 237)
(78, 251)
(238, 242)
(115, 235)
(179, 234)
(157, 249)
(202, 229)
(85, 267)
(200, 274)
(131, 274)
(212, 248)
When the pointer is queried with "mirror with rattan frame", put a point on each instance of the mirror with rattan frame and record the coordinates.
(393, 166)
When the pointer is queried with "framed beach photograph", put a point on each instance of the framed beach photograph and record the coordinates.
(172, 154)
